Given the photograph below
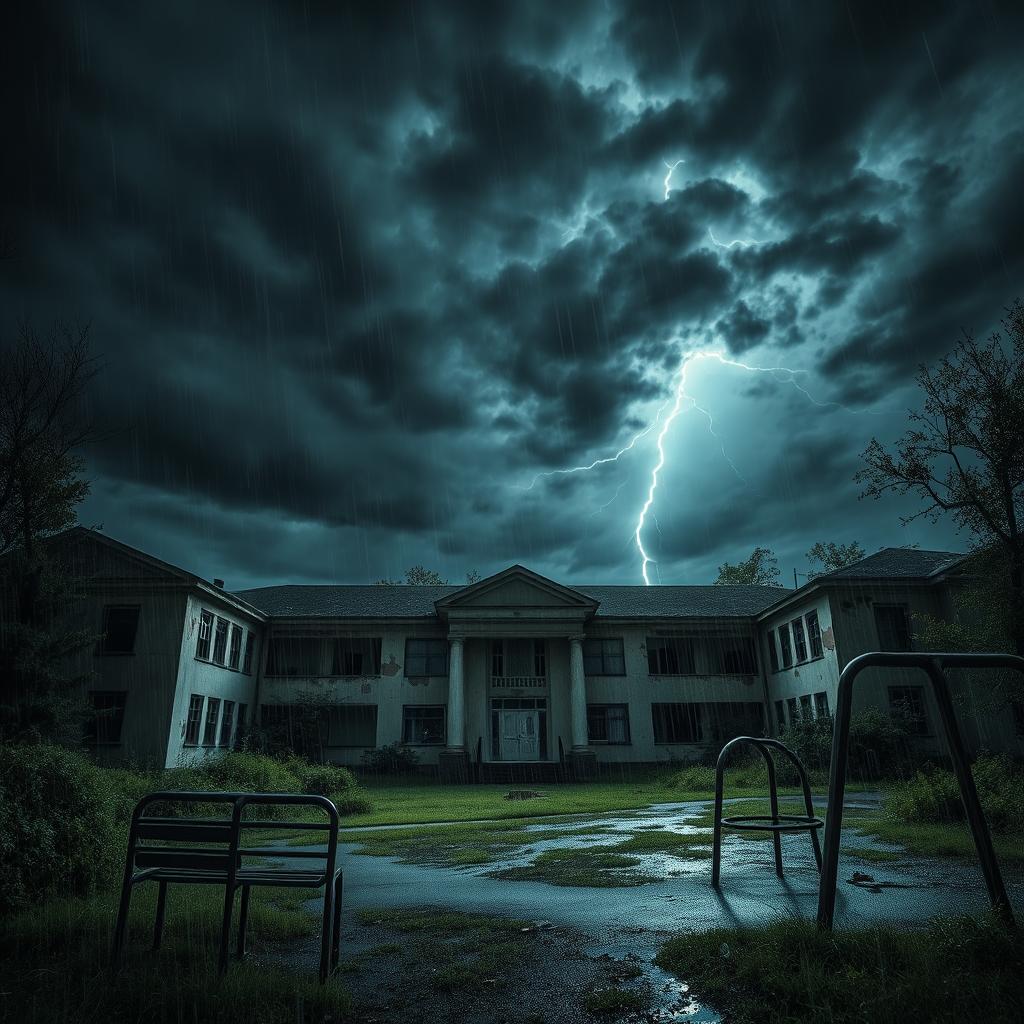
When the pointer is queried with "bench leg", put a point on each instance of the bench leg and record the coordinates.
(158, 923)
(243, 921)
(325, 934)
(336, 938)
(122, 920)
(225, 928)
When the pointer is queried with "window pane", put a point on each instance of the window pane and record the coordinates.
(356, 656)
(814, 634)
(294, 656)
(220, 640)
(893, 625)
(423, 724)
(670, 656)
(235, 647)
(227, 721)
(107, 719)
(194, 720)
(787, 650)
(120, 623)
(426, 657)
(676, 723)
(205, 635)
(247, 659)
(798, 639)
(212, 715)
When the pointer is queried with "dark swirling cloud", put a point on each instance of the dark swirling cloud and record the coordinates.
(366, 277)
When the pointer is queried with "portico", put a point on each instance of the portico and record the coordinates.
(516, 683)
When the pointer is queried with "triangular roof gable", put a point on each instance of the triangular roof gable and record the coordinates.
(96, 555)
(516, 585)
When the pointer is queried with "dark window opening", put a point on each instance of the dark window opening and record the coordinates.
(787, 650)
(670, 656)
(294, 656)
(908, 703)
(356, 656)
(814, 634)
(205, 634)
(893, 625)
(235, 648)
(821, 705)
(212, 714)
(194, 720)
(604, 657)
(107, 718)
(608, 723)
(773, 653)
(422, 724)
(220, 641)
(676, 723)
(799, 643)
(227, 721)
(731, 656)
(120, 625)
(247, 657)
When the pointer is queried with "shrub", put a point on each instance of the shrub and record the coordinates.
(251, 773)
(57, 831)
(698, 778)
(811, 740)
(394, 759)
(322, 779)
(933, 794)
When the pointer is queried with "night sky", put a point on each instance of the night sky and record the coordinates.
(361, 274)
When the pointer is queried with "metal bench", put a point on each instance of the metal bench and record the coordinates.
(777, 823)
(209, 851)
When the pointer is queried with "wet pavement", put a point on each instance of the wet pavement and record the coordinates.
(631, 923)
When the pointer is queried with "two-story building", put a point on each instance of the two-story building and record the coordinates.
(513, 669)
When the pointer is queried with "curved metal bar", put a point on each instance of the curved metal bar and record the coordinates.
(764, 746)
(933, 665)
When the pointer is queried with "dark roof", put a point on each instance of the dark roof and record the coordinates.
(415, 602)
(896, 563)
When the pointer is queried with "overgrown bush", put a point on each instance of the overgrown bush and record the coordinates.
(57, 830)
(811, 740)
(697, 778)
(393, 759)
(932, 796)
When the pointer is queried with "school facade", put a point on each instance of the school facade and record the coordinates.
(514, 669)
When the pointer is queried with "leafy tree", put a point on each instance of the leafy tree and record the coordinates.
(831, 556)
(42, 381)
(762, 567)
(963, 455)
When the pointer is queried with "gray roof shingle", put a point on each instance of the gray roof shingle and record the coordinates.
(403, 601)
(897, 563)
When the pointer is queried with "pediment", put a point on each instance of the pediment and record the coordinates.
(517, 587)
(90, 555)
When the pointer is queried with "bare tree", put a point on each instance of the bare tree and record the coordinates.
(42, 428)
(963, 455)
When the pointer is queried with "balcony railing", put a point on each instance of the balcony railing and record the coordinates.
(518, 682)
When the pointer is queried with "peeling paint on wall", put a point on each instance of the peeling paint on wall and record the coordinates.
(828, 639)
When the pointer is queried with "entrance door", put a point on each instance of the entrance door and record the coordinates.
(520, 740)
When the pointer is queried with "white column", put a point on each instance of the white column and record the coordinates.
(577, 693)
(456, 697)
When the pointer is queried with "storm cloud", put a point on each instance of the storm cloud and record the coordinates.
(368, 280)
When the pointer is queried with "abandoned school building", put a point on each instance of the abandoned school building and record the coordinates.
(513, 669)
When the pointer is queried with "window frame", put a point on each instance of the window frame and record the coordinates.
(658, 645)
(92, 735)
(194, 720)
(920, 725)
(605, 707)
(821, 708)
(814, 644)
(605, 659)
(785, 646)
(218, 634)
(234, 650)
(429, 659)
(692, 715)
(247, 652)
(374, 648)
(204, 641)
(410, 717)
(796, 627)
(225, 737)
(211, 724)
(773, 652)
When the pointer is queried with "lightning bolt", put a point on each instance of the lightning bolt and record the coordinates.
(668, 177)
(730, 245)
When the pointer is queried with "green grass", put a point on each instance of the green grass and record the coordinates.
(936, 840)
(617, 1001)
(55, 963)
(691, 847)
(956, 970)
(413, 801)
(593, 867)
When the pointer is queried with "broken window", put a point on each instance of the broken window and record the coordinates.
(220, 641)
(731, 656)
(814, 634)
(294, 656)
(670, 656)
(798, 640)
(893, 625)
(205, 632)
(356, 656)
(120, 624)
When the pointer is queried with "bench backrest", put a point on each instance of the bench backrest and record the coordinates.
(215, 843)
